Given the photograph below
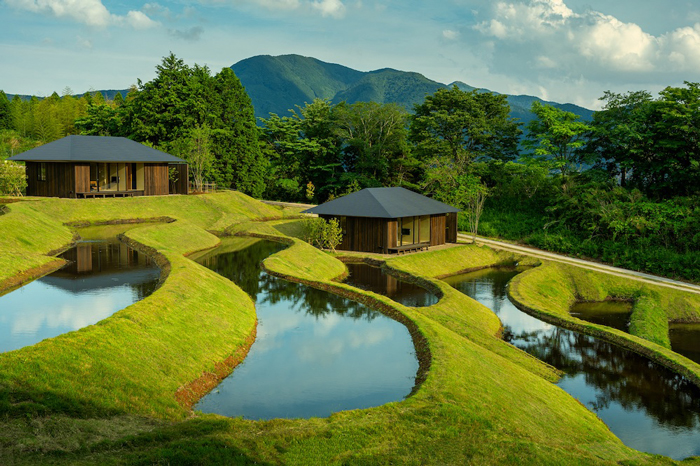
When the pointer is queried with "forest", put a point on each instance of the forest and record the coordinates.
(623, 188)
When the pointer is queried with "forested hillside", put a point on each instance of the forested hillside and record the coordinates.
(278, 84)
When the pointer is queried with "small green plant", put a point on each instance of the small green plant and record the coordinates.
(310, 188)
(321, 233)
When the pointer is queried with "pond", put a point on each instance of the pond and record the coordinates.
(685, 339)
(102, 277)
(315, 353)
(374, 279)
(649, 407)
(615, 314)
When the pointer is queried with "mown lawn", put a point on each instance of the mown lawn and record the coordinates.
(107, 393)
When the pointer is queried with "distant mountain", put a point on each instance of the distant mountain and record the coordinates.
(278, 84)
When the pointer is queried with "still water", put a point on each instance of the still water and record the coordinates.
(374, 279)
(685, 339)
(102, 278)
(649, 407)
(615, 314)
(316, 353)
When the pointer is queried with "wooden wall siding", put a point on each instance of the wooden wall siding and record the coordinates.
(451, 227)
(363, 234)
(31, 169)
(182, 185)
(437, 229)
(155, 179)
(391, 234)
(82, 178)
(60, 180)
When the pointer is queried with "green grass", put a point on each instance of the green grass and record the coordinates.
(550, 290)
(106, 393)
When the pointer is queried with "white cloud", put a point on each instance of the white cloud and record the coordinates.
(90, 12)
(547, 35)
(449, 34)
(139, 20)
(333, 8)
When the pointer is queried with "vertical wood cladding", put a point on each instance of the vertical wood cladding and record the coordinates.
(379, 234)
(59, 182)
(391, 234)
(82, 178)
(65, 179)
(437, 229)
(451, 227)
(182, 185)
(156, 179)
(363, 234)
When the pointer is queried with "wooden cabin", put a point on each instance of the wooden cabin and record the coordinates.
(390, 220)
(101, 166)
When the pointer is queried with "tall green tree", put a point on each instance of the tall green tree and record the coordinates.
(306, 147)
(651, 144)
(464, 126)
(5, 112)
(453, 128)
(621, 133)
(163, 112)
(556, 135)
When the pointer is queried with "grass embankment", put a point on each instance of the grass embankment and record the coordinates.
(106, 393)
(550, 290)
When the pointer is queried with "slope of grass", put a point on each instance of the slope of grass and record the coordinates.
(107, 393)
(549, 291)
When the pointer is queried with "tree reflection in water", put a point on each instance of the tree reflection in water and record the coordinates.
(315, 353)
(613, 379)
(243, 268)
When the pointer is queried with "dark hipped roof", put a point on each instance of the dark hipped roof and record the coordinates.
(95, 149)
(382, 203)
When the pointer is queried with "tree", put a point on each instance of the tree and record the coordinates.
(181, 98)
(452, 129)
(556, 135)
(306, 147)
(13, 180)
(621, 133)
(101, 120)
(199, 154)
(651, 144)
(374, 142)
(5, 112)
(463, 126)
(475, 193)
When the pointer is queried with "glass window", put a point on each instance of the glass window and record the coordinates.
(41, 174)
(407, 230)
(424, 229)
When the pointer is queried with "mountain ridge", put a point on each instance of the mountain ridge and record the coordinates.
(277, 84)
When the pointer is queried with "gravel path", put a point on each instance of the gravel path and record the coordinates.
(598, 267)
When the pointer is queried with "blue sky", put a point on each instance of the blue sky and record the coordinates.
(562, 50)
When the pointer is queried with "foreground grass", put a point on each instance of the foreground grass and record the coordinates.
(106, 393)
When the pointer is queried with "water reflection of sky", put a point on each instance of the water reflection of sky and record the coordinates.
(65, 301)
(647, 406)
(315, 354)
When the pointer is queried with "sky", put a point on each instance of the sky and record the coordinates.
(559, 50)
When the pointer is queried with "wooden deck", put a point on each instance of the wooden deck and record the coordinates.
(409, 248)
(103, 194)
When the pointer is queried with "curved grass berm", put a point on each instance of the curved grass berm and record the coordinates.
(106, 393)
